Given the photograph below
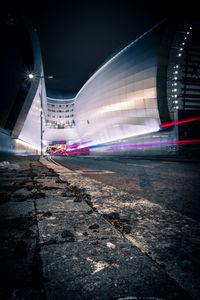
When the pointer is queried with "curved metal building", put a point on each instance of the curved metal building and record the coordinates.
(127, 98)
(127, 102)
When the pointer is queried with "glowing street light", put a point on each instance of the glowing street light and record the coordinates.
(32, 76)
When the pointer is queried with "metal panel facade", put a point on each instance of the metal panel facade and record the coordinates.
(120, 99)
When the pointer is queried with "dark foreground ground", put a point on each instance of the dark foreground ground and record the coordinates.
(67, 236)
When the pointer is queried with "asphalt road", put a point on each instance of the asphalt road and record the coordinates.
(173, 184)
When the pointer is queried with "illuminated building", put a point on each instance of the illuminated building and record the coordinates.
(123, 106)
(59, 116)
(140, 88)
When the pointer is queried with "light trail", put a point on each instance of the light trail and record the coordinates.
(167, 125)
(150, 145)
(64, 152)
(88, 150)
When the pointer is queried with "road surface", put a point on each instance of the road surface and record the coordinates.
(172, 184)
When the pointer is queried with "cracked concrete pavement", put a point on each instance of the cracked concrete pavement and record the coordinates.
(66, 236)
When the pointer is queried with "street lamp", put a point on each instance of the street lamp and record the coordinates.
(32, 77)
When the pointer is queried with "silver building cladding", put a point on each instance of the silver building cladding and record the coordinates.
(125, 101)
(126, 104)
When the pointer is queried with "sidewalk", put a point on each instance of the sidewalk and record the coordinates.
(64, 236)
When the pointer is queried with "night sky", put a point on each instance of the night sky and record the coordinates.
(76, 37)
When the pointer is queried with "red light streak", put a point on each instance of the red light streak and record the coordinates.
(166, 125)
(63, 152)
(55, 151)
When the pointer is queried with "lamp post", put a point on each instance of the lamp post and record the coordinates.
(32, 76)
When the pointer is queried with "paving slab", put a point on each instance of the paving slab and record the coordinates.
(76, 226)
(97, 270)
(60, 205)
(17, 209)
(16, 267)
(50, 182)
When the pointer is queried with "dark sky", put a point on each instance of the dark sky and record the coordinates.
(76, 37)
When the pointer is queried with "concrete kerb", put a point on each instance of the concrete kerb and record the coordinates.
(168, 238)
